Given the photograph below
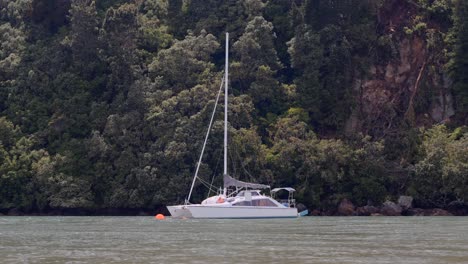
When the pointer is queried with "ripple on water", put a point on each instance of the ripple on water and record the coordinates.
(304, 240)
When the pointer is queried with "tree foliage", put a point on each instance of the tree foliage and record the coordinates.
(440, 176)
(459, 60)
(104, 104)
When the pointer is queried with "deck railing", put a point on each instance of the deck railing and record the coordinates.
(288, 202)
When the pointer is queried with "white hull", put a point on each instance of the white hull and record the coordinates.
(232, 212)
(179, 211)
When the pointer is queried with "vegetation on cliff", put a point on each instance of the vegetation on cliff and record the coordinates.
(104, 103)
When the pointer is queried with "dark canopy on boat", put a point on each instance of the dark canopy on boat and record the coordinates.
(229, 181)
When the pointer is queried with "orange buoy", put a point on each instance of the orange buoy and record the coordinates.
(159, 217)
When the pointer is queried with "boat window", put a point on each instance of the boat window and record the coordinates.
(260, 202)
(243, 203)
(263, 202)
(242, 194)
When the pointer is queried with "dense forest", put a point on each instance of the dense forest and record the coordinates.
(105, 103)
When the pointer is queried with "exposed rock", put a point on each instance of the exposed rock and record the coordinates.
(415, 212)
(394, 83)
(442, 105)
(361, 211)
(367, 210)
(315, 212)
(376, 214)
(352, 124)
(390, 209)
(458, 208)
(346, 208)
(427, 212)
(440, 212)
(389, 73)
(405, 202)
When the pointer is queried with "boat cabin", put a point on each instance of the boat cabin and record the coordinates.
(255, 198)
(252, 193)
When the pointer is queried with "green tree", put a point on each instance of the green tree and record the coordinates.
(119, 30)
(459, 61)
(85, 42)
(49, 15)
(153, 33)
(186, 63)
(256, 65)
(20, 185)
(440, 176)
(306, 56)
(13, 45)
(254, 48)
(325, 170)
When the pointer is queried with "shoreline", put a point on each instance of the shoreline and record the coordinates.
(163, 210)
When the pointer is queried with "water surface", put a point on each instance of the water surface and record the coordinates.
(303, 240)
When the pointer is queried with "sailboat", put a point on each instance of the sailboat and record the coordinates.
(237, 199)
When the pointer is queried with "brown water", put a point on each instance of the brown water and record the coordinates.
(303, 240)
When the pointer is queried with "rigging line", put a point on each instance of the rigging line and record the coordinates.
(233, 162)
(243, 167)
(214, 174)
(251, 178)
(206, 139)
(204, 182)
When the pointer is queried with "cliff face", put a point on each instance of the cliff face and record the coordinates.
(408, 84)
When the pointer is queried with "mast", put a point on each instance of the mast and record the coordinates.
(187, 201)
(226, 81)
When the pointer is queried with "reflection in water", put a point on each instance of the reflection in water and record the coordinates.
(303, 240)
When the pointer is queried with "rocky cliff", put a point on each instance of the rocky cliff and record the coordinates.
(407, 81)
